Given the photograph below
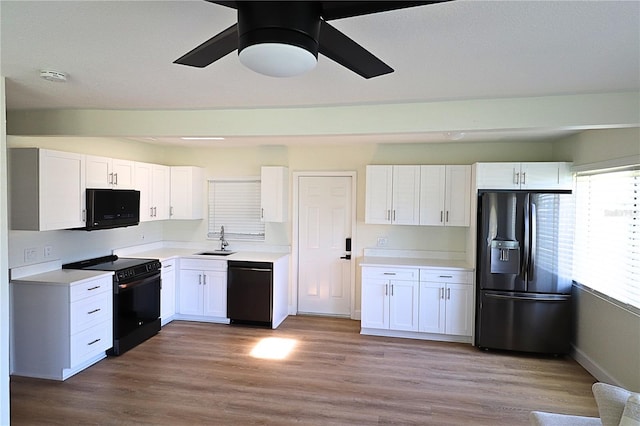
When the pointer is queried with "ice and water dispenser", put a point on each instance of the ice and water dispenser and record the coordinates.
(505, 257)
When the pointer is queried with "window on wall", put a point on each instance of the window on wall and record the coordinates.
(607, 242)
(235, 204)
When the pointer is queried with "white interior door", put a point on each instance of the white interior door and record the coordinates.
(324, 224)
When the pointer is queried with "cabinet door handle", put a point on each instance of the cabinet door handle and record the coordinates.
(394, 215)
(524, 178)
(448, 294)
(392, 289)
(441, 216)
(388, 273)
(199, 279)
(94, 311)
(262, 213)
(115, 179)
(110, 178)
(445, 276)
(386, 289)
(93, 288)
(204, 279)
(94, 342)
(447, 219)
(441, 292)
(516, 177)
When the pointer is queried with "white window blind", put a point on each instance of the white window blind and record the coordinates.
(607, 242)
(235, 204)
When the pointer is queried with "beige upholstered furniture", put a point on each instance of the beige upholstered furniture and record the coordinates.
(616, 406)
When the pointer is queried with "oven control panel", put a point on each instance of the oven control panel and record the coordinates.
(134, 272)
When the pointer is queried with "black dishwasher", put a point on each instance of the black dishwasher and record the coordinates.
(250, 292)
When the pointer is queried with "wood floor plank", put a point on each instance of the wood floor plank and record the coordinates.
(199, 373)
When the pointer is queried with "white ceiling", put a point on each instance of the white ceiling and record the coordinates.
(119, 54)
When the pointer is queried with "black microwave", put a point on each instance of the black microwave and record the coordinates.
(112, 208)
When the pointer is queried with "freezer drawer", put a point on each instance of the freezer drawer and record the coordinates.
(526, 322)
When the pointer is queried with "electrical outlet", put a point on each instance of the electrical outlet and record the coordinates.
(30, 254)
(48, 251)
(382, 241)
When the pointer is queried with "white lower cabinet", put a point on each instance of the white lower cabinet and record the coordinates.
(61, 323)
(389, 298)
(446, 302)
(425, 303)
(202, 290)
(168, 291)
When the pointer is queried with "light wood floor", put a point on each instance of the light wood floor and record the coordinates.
(197, 373)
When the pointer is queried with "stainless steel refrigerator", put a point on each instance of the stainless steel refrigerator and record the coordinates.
(523, 279)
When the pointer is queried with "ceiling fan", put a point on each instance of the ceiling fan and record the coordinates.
(283, 38)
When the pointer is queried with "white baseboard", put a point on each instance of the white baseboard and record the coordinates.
(415, 335)
(592, 367)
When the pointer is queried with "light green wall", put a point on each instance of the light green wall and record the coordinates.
(602, 110)
(607, 337)
(107, 147)
(225, 162)
(598, 148)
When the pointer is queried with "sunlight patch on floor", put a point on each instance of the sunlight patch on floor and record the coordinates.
(273, 348)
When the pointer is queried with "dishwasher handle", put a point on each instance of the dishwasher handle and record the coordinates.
(238, 268)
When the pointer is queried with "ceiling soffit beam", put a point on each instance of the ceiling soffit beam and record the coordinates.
(570, 112)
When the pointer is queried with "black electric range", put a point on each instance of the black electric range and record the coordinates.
(136, 297)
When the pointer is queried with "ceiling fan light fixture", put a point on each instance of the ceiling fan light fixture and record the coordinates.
(277, 59)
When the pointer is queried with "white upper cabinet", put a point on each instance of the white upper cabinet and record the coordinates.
(153, 181)
(545, 176)
(530, 176)
(104, 172)
(274, 193)
(46, 189)
(445, 193)
(187, 192)
(393, 195)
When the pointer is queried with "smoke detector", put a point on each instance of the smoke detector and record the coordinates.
(55, 76)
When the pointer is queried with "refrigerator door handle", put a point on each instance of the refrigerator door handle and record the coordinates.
(526, 298)
(527, 239)
(533, 238)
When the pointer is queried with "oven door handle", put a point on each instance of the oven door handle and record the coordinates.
(137, 283)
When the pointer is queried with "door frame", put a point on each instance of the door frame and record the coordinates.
(293, 307)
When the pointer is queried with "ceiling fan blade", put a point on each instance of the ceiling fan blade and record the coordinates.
(346, 9)
(211, 50)
(340, 48)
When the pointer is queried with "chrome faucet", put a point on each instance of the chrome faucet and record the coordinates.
(223, 243)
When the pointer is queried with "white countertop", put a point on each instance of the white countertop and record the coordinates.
(166, 253)
(405, 262)
(62, 277)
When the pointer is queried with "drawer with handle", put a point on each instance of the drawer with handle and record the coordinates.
(86, 313)
(446, 276)
(91, 342)
(403, 274)
(91, 288)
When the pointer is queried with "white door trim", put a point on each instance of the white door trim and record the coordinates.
(293, 307)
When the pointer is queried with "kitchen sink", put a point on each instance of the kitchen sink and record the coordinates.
(216, 253)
